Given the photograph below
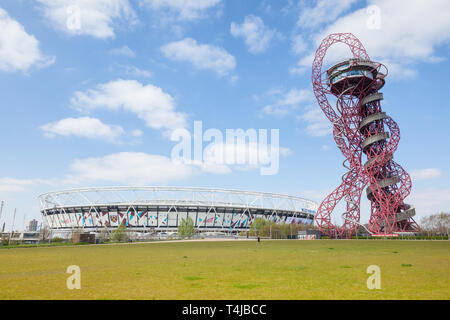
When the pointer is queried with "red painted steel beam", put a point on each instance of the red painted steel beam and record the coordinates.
(361, 130)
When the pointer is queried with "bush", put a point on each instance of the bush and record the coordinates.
(186, 229)
(120, 234)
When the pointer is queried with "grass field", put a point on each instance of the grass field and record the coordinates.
(231, 270)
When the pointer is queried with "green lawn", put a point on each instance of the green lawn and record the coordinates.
(231, 270)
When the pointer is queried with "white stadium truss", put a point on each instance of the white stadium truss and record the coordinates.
(156, 209)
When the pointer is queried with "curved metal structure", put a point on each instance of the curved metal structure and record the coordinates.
(162, 208)
(360, 127)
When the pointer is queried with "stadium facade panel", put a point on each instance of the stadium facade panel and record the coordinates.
(158, 209)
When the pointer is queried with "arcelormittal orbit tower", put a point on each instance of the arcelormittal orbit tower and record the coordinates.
(348, 94)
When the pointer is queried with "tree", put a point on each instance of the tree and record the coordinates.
(120, 234)
(265, 228)
(436, 224)
(186, 228)
(259, 227)
(4, 238)
(44, 233)
(104, 235)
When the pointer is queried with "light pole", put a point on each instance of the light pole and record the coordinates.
(12, 228)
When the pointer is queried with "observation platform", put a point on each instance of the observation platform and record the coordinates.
(353, 76)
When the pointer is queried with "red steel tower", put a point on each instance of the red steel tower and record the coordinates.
(348, 94)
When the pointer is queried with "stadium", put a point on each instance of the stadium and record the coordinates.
(161, 209)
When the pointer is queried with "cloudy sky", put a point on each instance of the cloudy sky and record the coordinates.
(91, 90)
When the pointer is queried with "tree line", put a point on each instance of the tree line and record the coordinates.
(436, 224)
(265, 228)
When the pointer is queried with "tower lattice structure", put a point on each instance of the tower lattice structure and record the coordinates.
(348, 93)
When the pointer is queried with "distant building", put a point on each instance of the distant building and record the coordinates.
(29, 237)
(33, 225)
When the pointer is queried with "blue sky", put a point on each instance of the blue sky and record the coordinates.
(79, 101)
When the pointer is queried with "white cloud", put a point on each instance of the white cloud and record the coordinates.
(295, 97)
(135, 71)
(226, 157)
(286, 101)
(274, 110)
(201, 56)
(123, 51)
(256, 35)
(85, 127)
(18, 49)
(317, 124)
(410, 31)
(141, 168)
(137, 133)
(266, 7)
(289, 101)
(183, 9)
(15, 185)
(137, 168)
(426, 174)
(324, 11)
(289, 7)
(97, 18)
(150, 103)
(128, 168)
(429, 201)
(298, 44)
(400, 71)
(285, 152)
